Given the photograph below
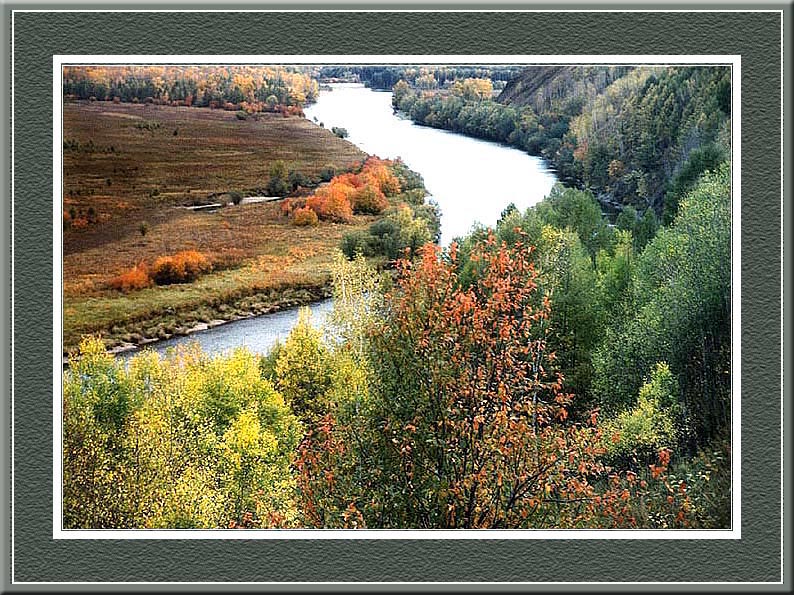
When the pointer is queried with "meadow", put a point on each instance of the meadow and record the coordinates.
(127, 171)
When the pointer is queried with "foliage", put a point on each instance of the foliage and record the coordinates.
(650, 424)
(642, 229)
(303, 369)
(400, 233)
(368, 199)
(358, 299)
(614, 270)
(464, 424)
(181, 442)
(579, 211)
(567, 275)
(277, 184)
(699, 161)
(182, 267)
(622, 132)
(357, 242)
(136, 278)
(332, 203)
(327, 173)
(296, 179)
(247, 88)
(378, 172)
(303, 216)
(708, 479)
(679, 312)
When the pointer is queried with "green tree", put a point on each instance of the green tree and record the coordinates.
(650, 424)
(679, 312)
(578, 210)
(277, 185)
(180, 442)
(303, 369)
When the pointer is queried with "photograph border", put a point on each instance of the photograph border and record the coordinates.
(403, 560)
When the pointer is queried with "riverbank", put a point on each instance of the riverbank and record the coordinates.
(150, 331)
(279, 266)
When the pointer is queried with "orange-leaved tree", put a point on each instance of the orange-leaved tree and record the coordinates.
(466, 424)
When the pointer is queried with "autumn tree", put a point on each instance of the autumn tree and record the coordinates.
(464, 426)
(181, 442)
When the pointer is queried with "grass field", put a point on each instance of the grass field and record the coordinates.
(127, 167)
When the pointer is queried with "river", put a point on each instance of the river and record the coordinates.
(258, 333)
(472, 181)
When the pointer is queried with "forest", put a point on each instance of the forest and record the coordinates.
(633, 136)
(568, 367)
(251, 88)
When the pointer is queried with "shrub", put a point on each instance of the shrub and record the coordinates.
(183, 267)
(369, 200)
(136, 278)
(236, 197)
(327, 173)
(409, 180)
(415, 196)
(340, 132)
(377, 172)
(332, 203)
(398, 231)
(296, 179)
(304, 216)
(338, 209)
(650, 425)
(242, 115)
(277, 184)
(316, 202)
(349, 179)
(143, 228)
(385, 238)
(356, 242)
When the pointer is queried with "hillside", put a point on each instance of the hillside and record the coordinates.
(635, 136)
(559, 87)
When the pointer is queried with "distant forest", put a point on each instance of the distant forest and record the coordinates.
(254, 88)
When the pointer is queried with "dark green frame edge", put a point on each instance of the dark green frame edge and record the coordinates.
(755, 36)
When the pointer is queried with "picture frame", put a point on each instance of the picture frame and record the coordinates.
(37, 559)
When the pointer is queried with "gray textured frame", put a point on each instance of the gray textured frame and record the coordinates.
(756, 36)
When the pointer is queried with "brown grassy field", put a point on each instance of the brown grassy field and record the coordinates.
(126, 165)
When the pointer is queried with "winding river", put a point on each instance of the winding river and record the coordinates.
(471, 180)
